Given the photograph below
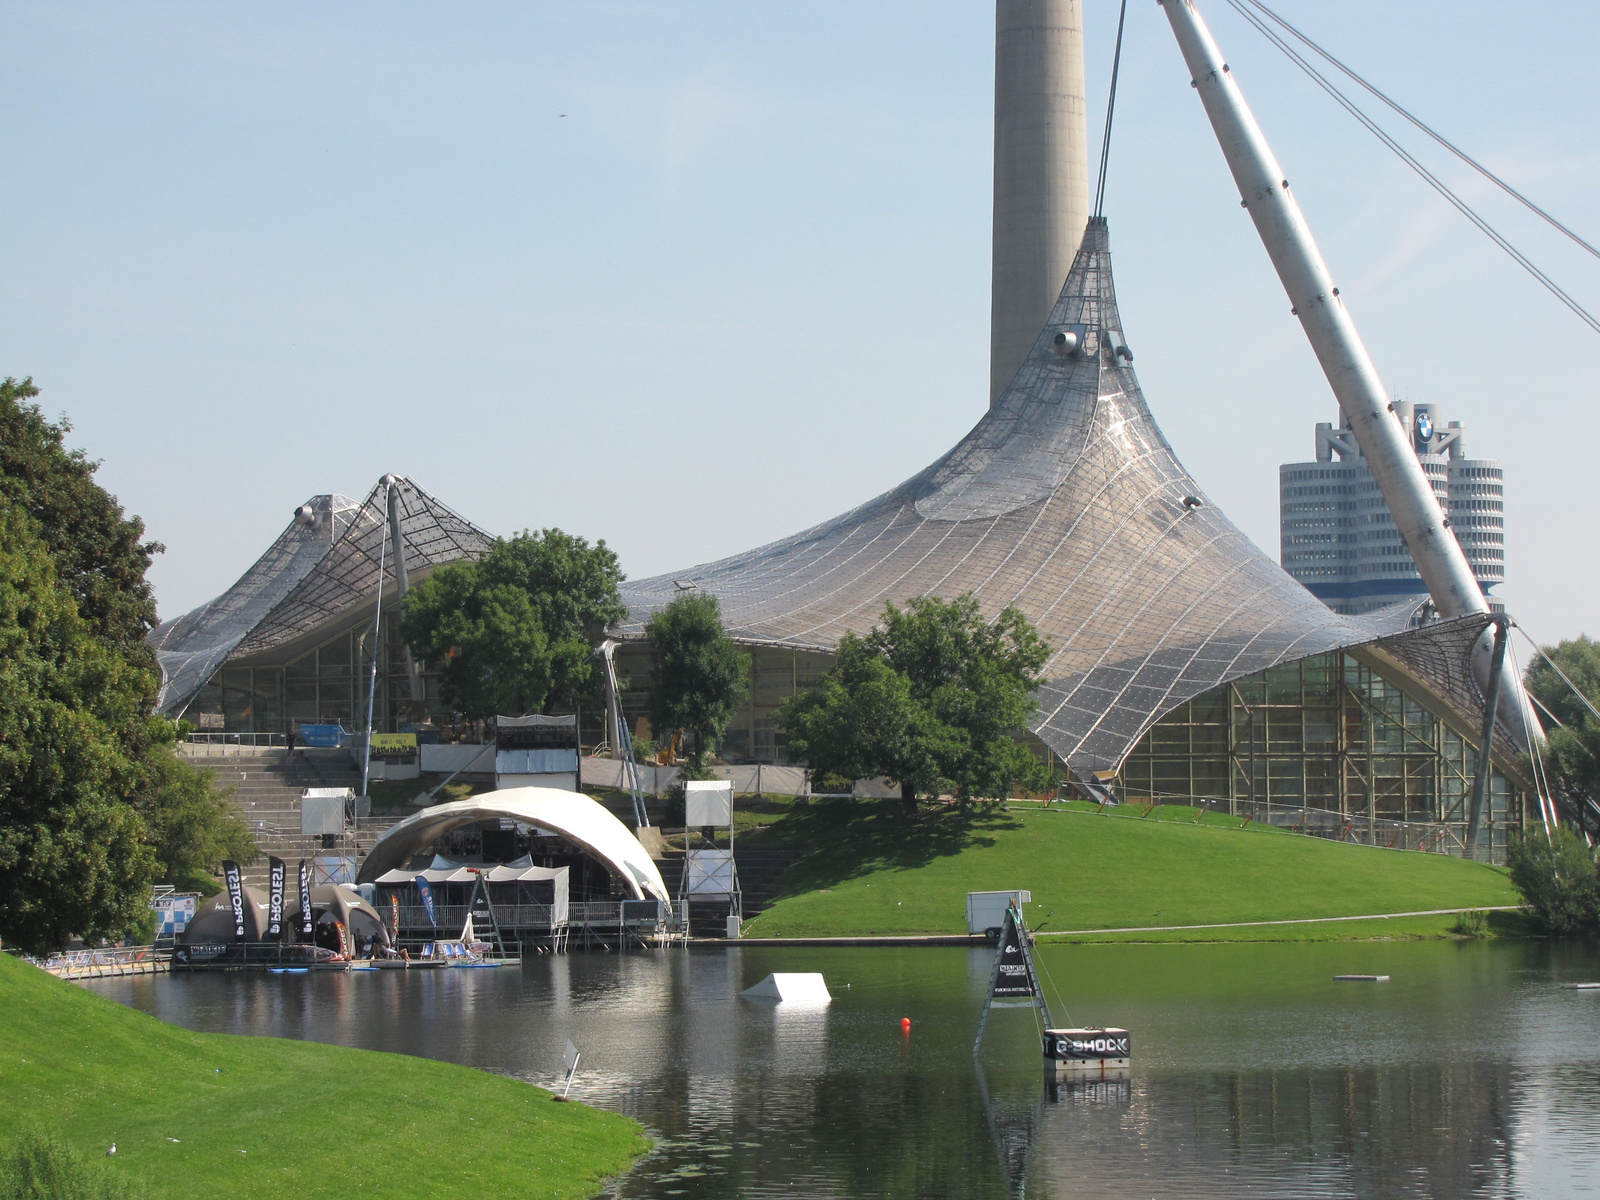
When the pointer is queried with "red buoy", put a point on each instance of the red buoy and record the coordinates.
(905, 1023)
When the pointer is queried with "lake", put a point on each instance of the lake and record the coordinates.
(1471, 1072)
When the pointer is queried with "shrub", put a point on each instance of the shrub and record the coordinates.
(1555, 874)
(40, 1166)
(1474, 922)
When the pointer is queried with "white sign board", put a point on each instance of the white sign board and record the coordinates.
(322, 811)
(708, 802)
(708, 872)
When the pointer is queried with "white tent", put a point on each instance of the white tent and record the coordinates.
(574, 816)
(443, 870)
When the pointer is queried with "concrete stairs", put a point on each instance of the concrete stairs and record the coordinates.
(759, 868)
(265, 785)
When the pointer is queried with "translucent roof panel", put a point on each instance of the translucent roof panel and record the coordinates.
(322, 565)
(1064, 500)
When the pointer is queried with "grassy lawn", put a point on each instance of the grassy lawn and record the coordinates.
(869, 871)
(198, 1114)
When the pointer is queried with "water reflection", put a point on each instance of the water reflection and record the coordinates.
(1472, 1074)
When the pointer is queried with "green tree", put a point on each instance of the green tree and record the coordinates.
(1579, 660)
(1575, 743)
(100, 554)
(701, 676)
(192, 827)
(93, 800)
(1556, 875)
(934, 697)
(515, 631)
(73, 855)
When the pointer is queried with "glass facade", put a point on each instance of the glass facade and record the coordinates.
(324, 685)
(776, 673)
(1326, 733)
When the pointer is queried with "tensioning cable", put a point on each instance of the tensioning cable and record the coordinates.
(1111, 108)
(1438, 137)
(1327, 85)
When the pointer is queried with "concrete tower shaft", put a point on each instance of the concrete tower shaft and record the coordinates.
(1041, 171)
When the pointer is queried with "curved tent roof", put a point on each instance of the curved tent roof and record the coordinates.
(213, 922)
(341, 902)
(322, 566)
(573, 815)
(1066, 501)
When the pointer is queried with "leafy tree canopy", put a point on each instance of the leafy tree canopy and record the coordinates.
(94, 803)
(100, 554)
(1575, 743)
(192, 827)
(1579, 660)
(73, 858)
(701, 676)
(935, 697)
(515, 631)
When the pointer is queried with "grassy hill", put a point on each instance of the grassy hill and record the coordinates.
(869, 871)
(217, 1115)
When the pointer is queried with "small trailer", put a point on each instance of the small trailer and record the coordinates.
(986, 911)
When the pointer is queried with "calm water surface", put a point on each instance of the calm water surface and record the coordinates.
(1473, 1072)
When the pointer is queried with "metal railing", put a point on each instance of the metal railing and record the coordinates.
(596, 913)
(214, 738)
(107, 960)
(239, 954)
(452, 917)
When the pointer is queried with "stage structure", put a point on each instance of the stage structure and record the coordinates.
(709, 872)
(618, 737)
(536, 751)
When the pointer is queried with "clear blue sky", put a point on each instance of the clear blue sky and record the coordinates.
(692, 276)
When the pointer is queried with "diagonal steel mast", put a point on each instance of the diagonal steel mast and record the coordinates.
(1264, 191)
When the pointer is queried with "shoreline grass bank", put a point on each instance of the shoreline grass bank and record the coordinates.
(197, 1114)
(864, 870)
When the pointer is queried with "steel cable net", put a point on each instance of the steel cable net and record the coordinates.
(323, 565)
(1439, 655)
(1066, 501)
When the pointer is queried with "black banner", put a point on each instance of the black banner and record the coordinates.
(234, 879)
(305, 898)
(1013, 973)
(275, 874)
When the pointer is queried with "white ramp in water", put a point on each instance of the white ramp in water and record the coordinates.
(792, 988)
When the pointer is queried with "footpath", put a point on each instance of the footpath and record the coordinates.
(978, 939)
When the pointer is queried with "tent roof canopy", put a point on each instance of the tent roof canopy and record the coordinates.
(494, 873)
(324, 566)
(582, 821)
(1066, 501)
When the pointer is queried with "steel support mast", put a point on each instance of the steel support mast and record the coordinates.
(1264, 191)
